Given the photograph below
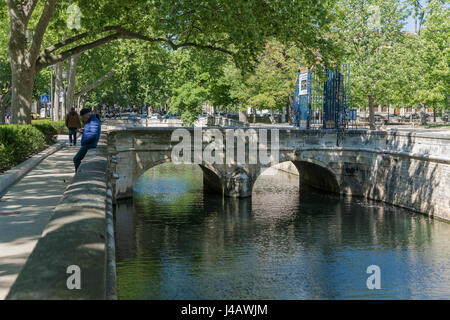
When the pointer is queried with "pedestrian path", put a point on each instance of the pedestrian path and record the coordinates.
(26, 208)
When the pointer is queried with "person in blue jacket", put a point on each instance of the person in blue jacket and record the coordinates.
(91, 134)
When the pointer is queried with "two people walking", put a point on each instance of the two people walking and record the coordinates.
(91, 133)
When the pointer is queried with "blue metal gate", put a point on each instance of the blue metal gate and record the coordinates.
(322, 98)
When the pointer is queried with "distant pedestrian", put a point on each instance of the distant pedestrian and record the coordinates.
(91, 135)
(73, 124)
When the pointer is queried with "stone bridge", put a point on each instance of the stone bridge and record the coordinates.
(408, 169)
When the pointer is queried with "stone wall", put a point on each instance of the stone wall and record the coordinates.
(75, 236)
(407, 169)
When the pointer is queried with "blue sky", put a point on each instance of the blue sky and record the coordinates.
(410, 25)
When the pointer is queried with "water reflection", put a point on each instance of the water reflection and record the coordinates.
(174, 242)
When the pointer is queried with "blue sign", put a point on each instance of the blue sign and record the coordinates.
(45, 98)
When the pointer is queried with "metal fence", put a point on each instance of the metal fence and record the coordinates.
(322, 99)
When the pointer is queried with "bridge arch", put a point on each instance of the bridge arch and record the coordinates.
(317, 176)
(143, 162)
(312, 172)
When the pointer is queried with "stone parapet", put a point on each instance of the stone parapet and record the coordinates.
(75, 236)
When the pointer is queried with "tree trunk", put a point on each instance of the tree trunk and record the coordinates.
(23, 53)
(254, 115)
(289, 109)
(22, 73)
(70, 94)
(2, 114)
(388, 109)
(243, 116)
(371, 113)
(3, 100)
(423, 120)
(22, 81)
(81, 102)
(434, 114)
(272, 116)
(58, 91)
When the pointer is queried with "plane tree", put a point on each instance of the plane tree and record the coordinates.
(40, 34)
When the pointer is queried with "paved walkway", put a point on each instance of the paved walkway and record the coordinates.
(34, 197)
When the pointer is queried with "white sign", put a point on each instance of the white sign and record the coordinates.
(303, 84)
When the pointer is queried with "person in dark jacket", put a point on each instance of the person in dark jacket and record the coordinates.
(91, 135)
(73, 124)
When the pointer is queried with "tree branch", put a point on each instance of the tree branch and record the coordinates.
(121, 33)
(100, 81)
(28, 8)
(95, 84)
(45, 61)
(71, 40)
(41, 27)
(63, 43)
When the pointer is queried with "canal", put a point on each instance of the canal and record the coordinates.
(175, 242)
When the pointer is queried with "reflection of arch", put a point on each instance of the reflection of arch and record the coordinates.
(211, 179)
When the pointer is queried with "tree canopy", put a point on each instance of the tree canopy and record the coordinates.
(231, 55)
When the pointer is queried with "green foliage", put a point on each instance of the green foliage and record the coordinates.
(435, 58)
(17, 142)
(265, 39)
(273, 81)
(197, 80)
(48, 131)
(393, 66)
(5, 70)
(369, 30)
(58, 127)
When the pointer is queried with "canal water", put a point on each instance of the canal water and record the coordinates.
(175, 242)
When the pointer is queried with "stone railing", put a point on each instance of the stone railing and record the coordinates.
(79, 236)
(209, 121)
(226, 122)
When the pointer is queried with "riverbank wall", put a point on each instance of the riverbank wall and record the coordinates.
(75, 256)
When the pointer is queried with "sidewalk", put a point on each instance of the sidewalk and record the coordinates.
(26, 208)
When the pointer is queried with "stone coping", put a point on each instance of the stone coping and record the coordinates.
(433, 134)
(74, 236)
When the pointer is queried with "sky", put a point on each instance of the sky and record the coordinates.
(410, 25)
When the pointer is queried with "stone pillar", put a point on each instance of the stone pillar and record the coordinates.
(124, 185)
